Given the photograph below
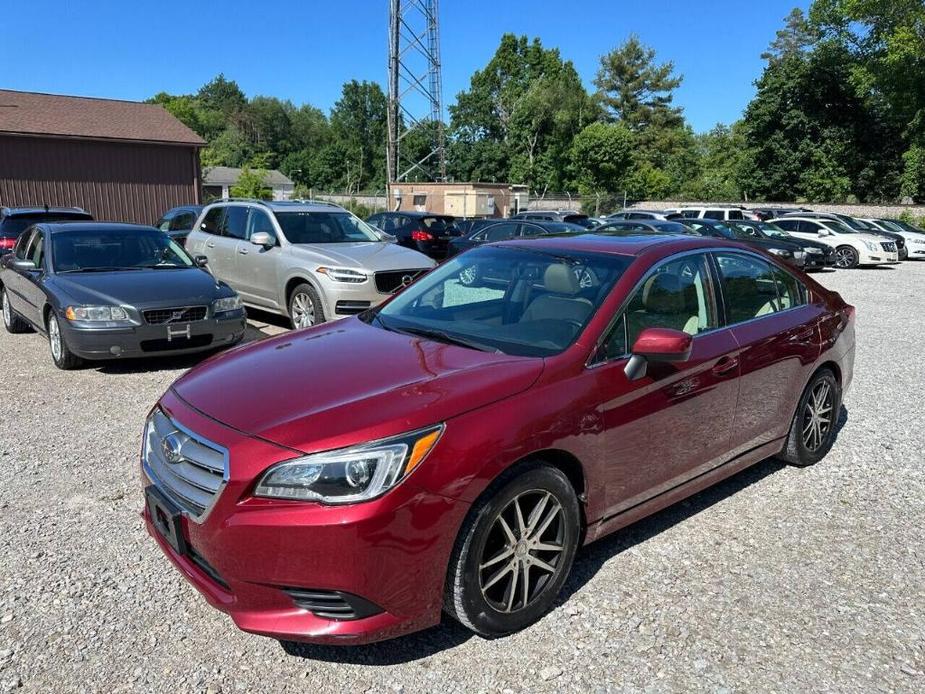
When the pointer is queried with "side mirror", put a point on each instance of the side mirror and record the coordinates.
(657, 345)
(200, 260)
(25, 265)
(262, 238)
(825, 232)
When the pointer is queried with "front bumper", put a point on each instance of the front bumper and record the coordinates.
(343, 299)
(819, 261)
(251, 556)
(152, 340)
(878, 258)
(916, 251)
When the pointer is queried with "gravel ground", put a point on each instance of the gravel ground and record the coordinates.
(777, 580)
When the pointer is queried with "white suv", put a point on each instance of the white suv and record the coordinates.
(723, 213)
(852, 248)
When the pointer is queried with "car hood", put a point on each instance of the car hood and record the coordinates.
(375, 256)
(347, 382)
(185, 287)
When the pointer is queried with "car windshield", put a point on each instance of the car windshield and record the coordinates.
(95, 250)
(719, 228)
(507, 299)
(853, 223)
(837, 227)
(772, 230)
(16, 224)
(325, 227)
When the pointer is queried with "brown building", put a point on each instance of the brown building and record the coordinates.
(119, 160)
(460, 199)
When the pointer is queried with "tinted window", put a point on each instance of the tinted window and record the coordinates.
(183, 221)
(788, 224)
(677, 295)
(808, 227)
(163, 223)
(22, 244)
(790, 291)
(714, 214)
(235, 224)
(324, 227)
(735, 214)
(500, 232)
(36, 247)
(690, 214)
(212, 221)
(749, 287)
(531, 230)
(528, 303)
(259, 221)
(17, 223)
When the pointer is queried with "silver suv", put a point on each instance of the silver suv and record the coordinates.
(310, 261)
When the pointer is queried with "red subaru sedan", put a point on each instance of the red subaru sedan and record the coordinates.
(451, 449)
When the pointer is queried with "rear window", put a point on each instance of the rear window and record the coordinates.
(15, 224)
(437, 223)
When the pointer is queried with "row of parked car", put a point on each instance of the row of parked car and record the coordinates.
(452, 449)
(99, 291)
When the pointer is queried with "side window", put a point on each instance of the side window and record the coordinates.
(749, 287)
(500, 232)
(690, 214)
(678, 294)
(810, 227)
(36, 249)
(531, 230)
(22, 243)
(735, 214)
(259, 221)
(182, 221)
(787, 224)
(235, 224)
(790, 290)
(714, 214)
(163, 223)
(212, 222)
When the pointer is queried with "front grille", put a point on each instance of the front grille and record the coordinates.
(180, 314)
(332, 604)
(165, 345)
(389, 282)
(196, 471)
(888, 246)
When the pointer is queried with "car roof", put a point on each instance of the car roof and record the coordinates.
(619, 245)
(59, 227)
(283, 205)
(14, 211)
(416, 214)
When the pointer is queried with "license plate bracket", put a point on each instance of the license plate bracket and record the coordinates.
(165, 517)
(176, 332)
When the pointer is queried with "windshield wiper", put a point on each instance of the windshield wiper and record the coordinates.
(164, 267)
(112, 268)
(438, 335)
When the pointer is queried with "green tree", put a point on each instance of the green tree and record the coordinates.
(252, 184)
(358, 125)
(795, 39)
(913, 178)
(602, 155)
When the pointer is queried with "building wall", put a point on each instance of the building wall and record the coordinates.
(130, 182)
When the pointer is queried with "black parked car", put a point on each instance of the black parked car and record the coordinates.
(818, 255)
(568, 216)
(467, 226)
(626, 227)
(15, 220)
(178, 222)
(423, 231)
(101, 291)
(503, 230)
(788, 250)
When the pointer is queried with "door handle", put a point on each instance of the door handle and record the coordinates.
(210, 244)
(242, 251)
(725, 366)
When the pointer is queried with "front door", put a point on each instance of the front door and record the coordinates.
(675, 422)
(255, 266)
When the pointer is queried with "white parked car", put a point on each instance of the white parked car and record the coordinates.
(722, 213)
(852, 248)
(915, 241)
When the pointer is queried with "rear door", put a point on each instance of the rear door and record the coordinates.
(225, 245)
(777, 332)
(201, 241)
(675, 422)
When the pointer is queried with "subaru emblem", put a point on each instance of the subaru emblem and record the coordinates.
(170, 447)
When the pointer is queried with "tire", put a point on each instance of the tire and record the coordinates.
(11, 321)
(61, 354)
(305, 308)
(477, 597)
(808, 443)
(846, 257)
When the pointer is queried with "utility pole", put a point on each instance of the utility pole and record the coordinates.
(415, 89)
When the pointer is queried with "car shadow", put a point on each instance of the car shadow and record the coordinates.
(589, 560)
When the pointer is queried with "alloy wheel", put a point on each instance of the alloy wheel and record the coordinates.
(7, 312)
(468, 276)
(523, 551)
(817, 417)
(54, 338)
(845, 257)
(303, 311)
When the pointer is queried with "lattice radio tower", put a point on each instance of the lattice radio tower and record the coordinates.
(415, 88)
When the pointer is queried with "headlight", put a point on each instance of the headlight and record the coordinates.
(349, 475)
(96, 313)
(229, 303)
(342, 274)
(871, 246)
(782, 252)
(813, 250)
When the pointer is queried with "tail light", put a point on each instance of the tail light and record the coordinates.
(421, 235)
(6, 244)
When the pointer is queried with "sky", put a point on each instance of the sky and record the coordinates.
(305, 51)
